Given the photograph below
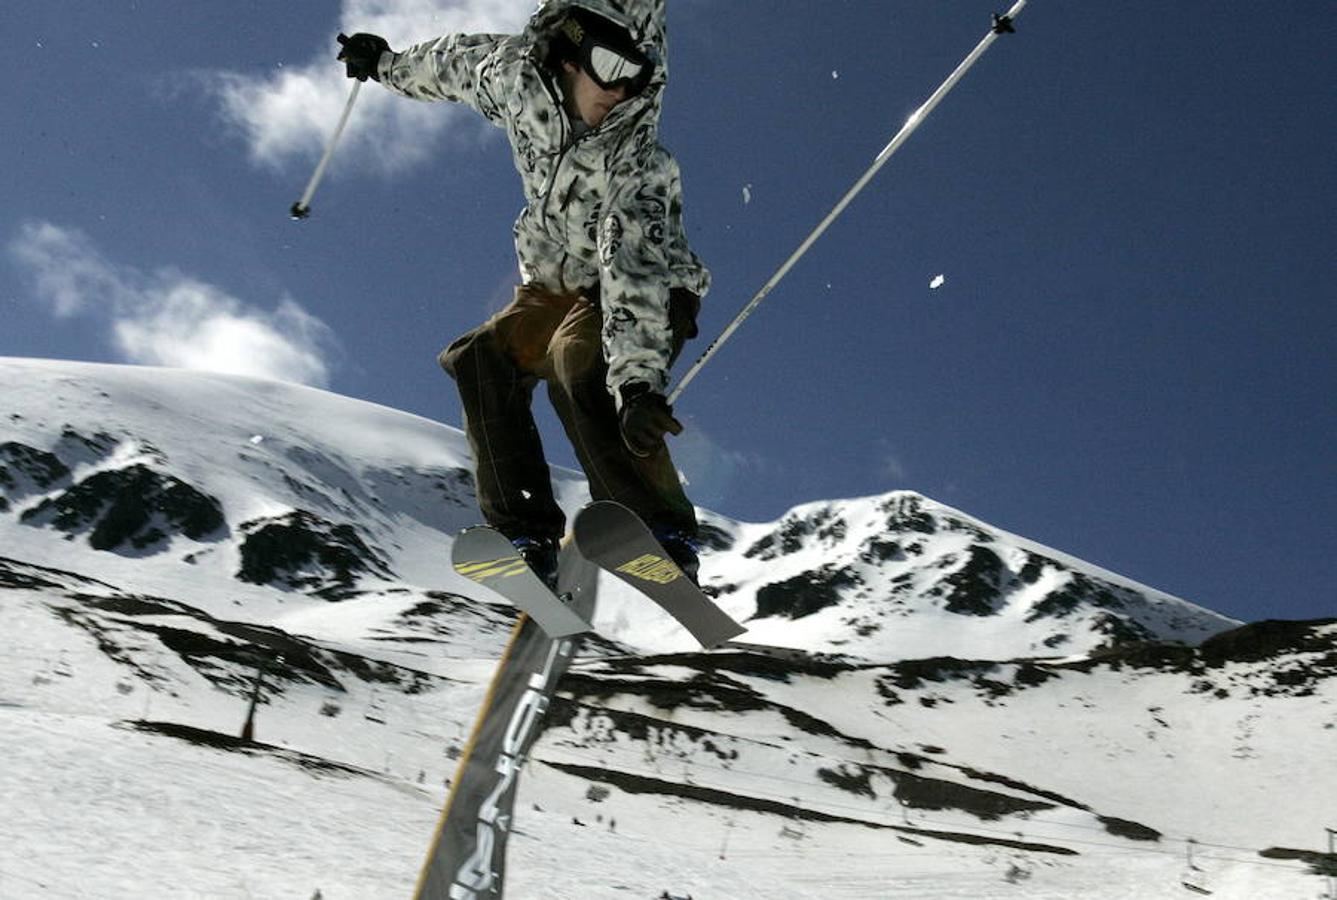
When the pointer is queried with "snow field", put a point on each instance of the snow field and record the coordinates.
(346, 793)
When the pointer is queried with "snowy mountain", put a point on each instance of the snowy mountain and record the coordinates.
(900, 576)
(924, 705)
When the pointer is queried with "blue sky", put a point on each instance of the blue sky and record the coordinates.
(1131, 357)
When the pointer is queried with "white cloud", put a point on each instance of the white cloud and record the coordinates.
(710, 469)
(893, 468)
(402, 22)
(167, 318)
(889, 464)
(67, 270)
(289, 116)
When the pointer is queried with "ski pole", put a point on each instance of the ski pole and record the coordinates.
(1002, 24)
(302, 208)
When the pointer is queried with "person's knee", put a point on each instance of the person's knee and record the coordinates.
(475, 346)
(575, 359)
(447, 360)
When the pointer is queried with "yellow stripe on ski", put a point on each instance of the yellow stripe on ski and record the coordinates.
(502, 567)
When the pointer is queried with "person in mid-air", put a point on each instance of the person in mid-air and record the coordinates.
(610, 288)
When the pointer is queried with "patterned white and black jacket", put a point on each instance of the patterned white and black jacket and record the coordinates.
(604, 208)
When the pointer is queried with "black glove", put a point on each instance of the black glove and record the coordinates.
(361, 54)
(645, 418)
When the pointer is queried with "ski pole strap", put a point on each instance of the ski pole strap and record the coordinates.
(1002, 24)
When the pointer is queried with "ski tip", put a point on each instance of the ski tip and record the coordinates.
(725, 641)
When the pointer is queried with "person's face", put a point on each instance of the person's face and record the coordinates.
(586, 99)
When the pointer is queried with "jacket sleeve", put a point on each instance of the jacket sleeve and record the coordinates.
(462, 68)
(643, 253)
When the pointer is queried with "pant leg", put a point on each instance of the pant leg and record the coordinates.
(576, 371)
(494, 367)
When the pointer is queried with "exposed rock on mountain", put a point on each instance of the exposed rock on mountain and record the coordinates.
(302, 551)
(26, 470)
(135, 508)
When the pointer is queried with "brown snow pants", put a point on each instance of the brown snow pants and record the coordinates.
(556, 338)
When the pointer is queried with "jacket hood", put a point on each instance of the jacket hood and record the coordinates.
(645, 20)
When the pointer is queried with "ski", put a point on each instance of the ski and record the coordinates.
(485, 556)
(616, 540)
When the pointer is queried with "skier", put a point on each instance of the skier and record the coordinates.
(610, 289)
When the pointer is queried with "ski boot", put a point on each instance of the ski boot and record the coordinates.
(540, 554)
(681, 549)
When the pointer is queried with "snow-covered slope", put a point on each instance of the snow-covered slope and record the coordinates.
(253, 485)
(924, 706)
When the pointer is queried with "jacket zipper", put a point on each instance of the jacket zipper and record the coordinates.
(552, 177)
(561, 156)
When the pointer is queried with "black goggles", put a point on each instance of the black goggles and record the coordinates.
(608, 65)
